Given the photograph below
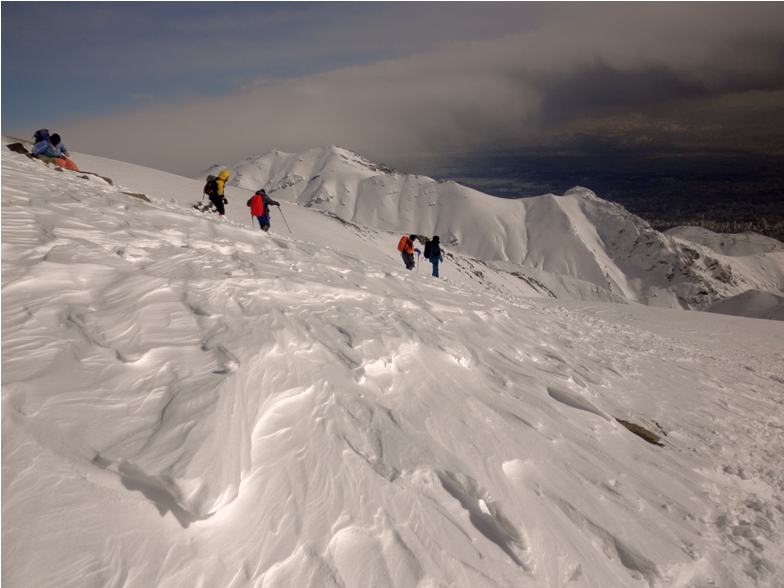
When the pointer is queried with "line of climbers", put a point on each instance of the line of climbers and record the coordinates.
(432, 252)
(215, 190)
(259, 204)
(51, 149)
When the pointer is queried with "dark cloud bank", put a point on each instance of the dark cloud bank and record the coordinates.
(674, 109)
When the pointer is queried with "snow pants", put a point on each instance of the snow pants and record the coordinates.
(66, 163)
(218, 202)
(408, 259)
(59, 162)
(264, 222)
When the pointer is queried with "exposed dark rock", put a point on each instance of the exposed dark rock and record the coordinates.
(650, 437)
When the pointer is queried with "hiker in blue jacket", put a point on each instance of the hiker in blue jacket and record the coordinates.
(433, 253)
(51, 149)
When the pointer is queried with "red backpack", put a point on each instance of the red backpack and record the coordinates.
(401, 246)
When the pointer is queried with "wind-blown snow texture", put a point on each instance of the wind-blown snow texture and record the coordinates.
(190, 402)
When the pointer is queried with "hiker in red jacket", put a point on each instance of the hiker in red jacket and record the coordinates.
(259, 207)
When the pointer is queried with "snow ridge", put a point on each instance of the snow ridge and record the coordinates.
(577, 234)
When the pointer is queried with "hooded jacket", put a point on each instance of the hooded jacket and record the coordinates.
(220, 183)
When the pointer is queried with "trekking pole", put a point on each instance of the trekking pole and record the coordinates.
(284, 218)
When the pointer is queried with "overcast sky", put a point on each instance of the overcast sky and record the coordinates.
(180, 86)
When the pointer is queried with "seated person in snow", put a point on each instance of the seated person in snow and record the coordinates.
(52, 150)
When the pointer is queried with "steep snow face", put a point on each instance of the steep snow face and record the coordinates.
(345, 184)
(188, 401)
(578, 234)
(659, 270)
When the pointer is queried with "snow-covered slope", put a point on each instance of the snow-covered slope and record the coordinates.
(577, 235)
(187, 401)
(729, 244)
(752, 304)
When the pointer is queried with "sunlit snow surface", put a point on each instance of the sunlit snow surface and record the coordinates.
(190, 402)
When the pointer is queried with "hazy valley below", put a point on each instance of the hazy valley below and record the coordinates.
(725, 193)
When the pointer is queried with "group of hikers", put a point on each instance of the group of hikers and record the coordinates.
(432, 251)
(51, 149)
(259, 203)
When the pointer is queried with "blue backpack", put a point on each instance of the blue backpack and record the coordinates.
(40, 135)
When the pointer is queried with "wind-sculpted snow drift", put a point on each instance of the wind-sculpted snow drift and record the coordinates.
(577, 235)
(190, 402)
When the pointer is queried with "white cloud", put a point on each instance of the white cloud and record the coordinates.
(464, 95)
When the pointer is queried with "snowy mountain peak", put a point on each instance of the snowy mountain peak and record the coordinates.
(577, 234)
(579, 191)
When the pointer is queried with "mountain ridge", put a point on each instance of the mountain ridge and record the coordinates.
(605, 244)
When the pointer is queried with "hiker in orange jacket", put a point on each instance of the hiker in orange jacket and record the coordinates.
(407, 249)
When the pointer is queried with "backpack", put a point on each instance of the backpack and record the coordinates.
(402, 243)
(428, 249)
(211, 186)
(40, 135)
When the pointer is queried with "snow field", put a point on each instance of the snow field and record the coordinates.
(187, 401)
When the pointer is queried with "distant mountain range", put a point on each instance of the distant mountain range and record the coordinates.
(577, 235)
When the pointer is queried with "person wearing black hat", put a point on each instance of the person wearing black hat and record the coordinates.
(259, 207)
(433, 253)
